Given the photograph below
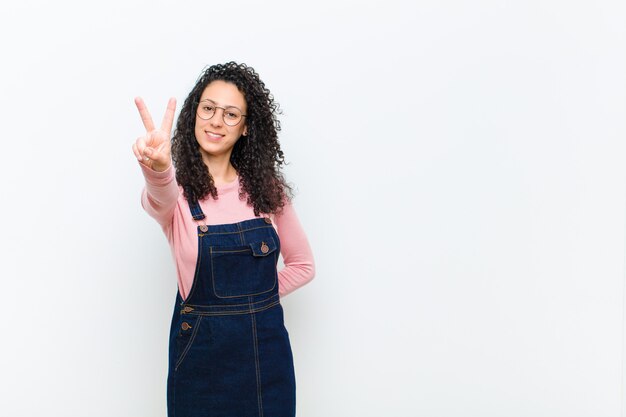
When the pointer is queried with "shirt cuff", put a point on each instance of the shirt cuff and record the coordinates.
(155, 177)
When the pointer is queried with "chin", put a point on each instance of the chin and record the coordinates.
(213, 149)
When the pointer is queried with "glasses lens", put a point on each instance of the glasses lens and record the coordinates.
(232, 116)
(206, 110)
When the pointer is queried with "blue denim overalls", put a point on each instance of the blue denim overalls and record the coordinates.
(229, 353)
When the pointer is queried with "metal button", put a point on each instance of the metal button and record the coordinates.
(185, 326)
(268, 220)
(264, 247)
(187, 309)
(204, 228)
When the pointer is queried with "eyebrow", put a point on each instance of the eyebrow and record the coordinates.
(226, 106)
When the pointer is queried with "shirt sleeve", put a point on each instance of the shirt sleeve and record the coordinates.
(160, 194)
(297, 255)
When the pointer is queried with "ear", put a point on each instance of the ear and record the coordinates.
(245, 131)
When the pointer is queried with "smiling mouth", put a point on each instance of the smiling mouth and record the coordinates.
(213, 135)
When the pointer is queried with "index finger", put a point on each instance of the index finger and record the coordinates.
(168, 118)
(145, 114)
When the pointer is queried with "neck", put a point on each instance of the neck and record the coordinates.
(220, 168)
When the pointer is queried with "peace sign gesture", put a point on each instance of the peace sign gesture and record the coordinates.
(154, 149)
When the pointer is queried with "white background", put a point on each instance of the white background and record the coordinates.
(460, 174)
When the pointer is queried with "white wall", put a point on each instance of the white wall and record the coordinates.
(460, 168)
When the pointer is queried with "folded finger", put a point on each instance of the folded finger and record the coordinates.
(136, 152)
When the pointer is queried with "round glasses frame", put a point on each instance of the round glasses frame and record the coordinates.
(227, 122)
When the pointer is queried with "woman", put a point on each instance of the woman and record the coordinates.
(226, 213)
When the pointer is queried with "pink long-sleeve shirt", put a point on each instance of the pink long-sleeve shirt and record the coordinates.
(163, 199)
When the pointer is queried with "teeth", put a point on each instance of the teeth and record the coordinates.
(213, 135)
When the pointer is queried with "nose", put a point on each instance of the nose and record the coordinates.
(218, 117)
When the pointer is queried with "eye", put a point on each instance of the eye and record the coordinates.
(232, 115)
(208, 107)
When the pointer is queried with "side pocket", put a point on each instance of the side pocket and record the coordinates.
(186, 335)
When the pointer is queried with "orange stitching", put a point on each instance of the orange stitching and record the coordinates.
(258, 370)
(234, 312)
(186, 349)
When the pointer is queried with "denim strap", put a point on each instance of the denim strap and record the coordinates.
(196, 211)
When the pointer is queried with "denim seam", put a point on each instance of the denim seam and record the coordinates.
(256, 363)
(247, 247)
(232, 305)
(234, 312)
(241, 238)
(231, 251)
(186, 349)
(238, 231)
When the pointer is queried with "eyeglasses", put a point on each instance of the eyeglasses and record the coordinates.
(231, 115)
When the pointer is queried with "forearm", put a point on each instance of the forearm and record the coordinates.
(297, 255)
(294, 276)
(160, 194)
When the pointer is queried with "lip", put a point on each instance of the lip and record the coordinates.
(213, 136)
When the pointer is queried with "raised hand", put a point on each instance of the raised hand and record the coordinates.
(154, 148)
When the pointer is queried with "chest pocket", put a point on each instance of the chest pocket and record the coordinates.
(239, 271)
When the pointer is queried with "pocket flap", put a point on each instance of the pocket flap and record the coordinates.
(264, 247)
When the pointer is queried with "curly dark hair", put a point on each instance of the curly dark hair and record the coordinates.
(257, 157)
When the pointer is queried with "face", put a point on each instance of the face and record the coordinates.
(215, 137)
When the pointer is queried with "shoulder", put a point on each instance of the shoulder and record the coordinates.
(286, 219)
